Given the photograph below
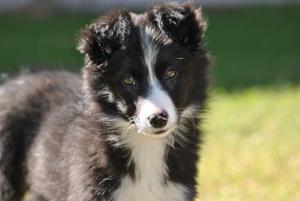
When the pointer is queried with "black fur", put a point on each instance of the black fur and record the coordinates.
(105, 36)
(54, 126)
(184, 24)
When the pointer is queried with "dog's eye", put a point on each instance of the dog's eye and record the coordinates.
(170, 73)
(129, 80)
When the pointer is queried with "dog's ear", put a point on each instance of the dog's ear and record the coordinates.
(106, 35)
(183, 23)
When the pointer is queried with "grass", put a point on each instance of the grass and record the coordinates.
(49, 41)
(251, 46)
(255, 46)
(252, 149)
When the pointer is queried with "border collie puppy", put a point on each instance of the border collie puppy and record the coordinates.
(124, 131)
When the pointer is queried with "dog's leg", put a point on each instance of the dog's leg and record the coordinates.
(19, 121)
(14, 136)
(11, 181)
(7, 191)
(34, 197)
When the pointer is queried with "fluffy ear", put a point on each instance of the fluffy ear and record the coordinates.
(107, 34)
(183, 23)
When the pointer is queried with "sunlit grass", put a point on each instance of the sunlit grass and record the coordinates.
(252, 148)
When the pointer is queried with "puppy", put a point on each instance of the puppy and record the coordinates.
(127, 129)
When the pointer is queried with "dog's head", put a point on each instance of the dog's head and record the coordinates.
(150, 69)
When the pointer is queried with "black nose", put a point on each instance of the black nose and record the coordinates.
(159, 120)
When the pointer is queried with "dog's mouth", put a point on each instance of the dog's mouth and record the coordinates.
(157, 134)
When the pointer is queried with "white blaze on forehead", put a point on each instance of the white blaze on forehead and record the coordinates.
(151, 41)
(150, 50)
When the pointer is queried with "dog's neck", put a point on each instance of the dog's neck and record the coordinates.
(149, 154)
(150, 182)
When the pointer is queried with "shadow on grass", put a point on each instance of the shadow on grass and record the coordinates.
(255, 46)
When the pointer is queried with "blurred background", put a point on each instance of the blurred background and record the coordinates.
(252, 142)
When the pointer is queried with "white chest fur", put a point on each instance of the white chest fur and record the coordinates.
(150, 169)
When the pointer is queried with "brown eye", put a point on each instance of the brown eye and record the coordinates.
(170, 73)
(129, 80)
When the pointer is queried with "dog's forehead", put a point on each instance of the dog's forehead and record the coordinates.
(148, 33)
(138, 19)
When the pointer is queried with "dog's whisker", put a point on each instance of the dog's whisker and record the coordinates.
(127, 130)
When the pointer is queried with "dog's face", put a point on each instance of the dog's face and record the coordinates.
(149, 68)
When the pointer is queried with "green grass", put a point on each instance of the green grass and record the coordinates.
(251, 46)
(255, 46)
(32, 41)
(252, 149)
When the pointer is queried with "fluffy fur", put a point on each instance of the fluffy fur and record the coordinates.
(90, 138)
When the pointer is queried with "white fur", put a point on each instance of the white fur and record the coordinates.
(151, 40)
(148, 155)
(150, 50)
(156, 101)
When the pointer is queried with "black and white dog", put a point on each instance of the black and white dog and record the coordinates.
(124, 131)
